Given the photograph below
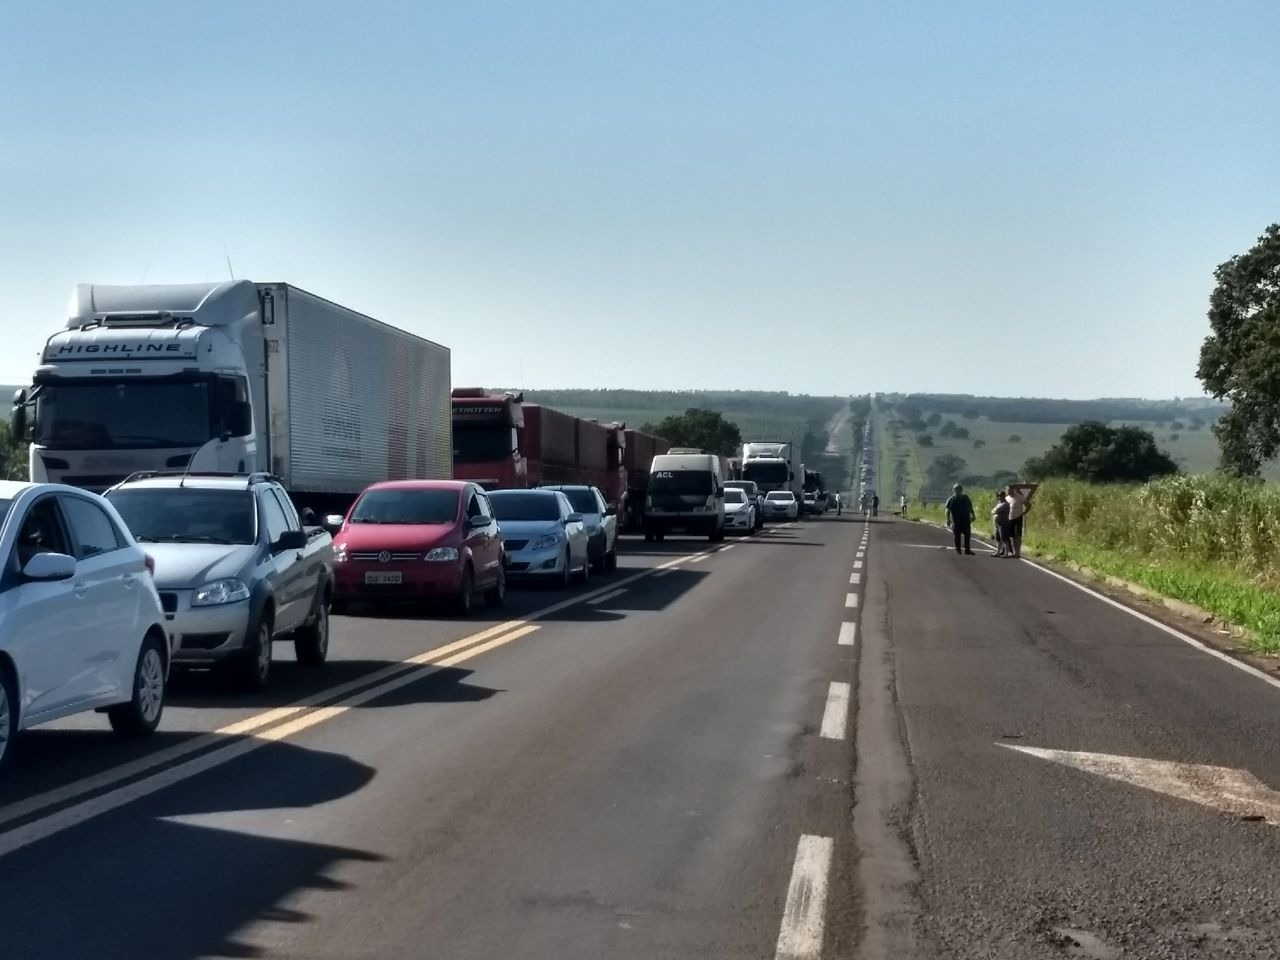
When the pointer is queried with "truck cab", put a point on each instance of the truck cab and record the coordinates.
(486, 439)
(146, 377)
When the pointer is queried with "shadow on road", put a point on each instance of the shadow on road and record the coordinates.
(161, 887)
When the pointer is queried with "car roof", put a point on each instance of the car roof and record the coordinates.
(196, 481)
(455, 485)
(11, 488)
(565, 486)
(539, 491)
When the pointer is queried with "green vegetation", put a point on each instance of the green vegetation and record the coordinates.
(704, 429)
(1238, 361)
(13, 456)
(1101, 454)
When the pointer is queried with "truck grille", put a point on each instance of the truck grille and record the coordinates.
(375, 556)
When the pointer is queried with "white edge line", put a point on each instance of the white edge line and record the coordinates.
(606, 597)
(1151, 621)
(835, 716)
(855, 578)
(804, 916)
(848, 634)
(851, 600)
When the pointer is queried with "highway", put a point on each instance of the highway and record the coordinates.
(835, 739)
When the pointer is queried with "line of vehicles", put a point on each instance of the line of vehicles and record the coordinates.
(215, 468)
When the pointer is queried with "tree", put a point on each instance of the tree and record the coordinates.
(1238, 360)
(945, 470)
(979, 444)
(924, 440)
(1098, 453)
(705, 429)
(960, 433)
(1014, 438)
(934, 419)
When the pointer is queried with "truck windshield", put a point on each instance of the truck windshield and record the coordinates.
(477, 443)
(524, 505)
(770, 473)
(187, 514)
(684, 483)
(123, 414)
(406, 506)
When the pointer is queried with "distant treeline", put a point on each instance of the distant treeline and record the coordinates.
(743, 401)
(1040, 410)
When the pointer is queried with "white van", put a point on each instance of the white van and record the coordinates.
(686, 493)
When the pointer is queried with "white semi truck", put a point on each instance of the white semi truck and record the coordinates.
(774, 465)
(235, 377)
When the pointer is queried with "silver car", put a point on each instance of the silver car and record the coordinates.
(600, 519)
(545, 538)
(739, 512)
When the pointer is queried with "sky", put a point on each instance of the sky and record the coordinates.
(1001, 198)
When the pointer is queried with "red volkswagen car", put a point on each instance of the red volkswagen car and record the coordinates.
(419, 540)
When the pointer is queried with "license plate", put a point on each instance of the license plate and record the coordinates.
(384, 576)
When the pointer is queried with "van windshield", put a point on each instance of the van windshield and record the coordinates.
(685, 483)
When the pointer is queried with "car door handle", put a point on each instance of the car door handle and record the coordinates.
(130, 580)
(80, 590)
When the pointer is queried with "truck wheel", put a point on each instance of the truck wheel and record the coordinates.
(462, 602)
(253, 669)
(140, 714)
(496, 595)
(311, 643)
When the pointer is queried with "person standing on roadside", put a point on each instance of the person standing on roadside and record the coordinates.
(875, 504)
(1018, 507)
(902, 504)
(1000, 516)
(960, 518)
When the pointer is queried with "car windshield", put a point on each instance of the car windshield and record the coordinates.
(524, 505)
(187, 514)
(406, 506)
(681, 482)
(116, 415)
(735, 496)
(582, 500)
(785, 495)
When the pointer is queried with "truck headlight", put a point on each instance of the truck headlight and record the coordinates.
(220, 591)
(442, 554)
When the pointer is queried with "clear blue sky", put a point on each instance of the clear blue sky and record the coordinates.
(1021, 198)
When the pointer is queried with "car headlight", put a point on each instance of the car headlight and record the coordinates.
(545, 543)
(339, 553)
(442, 553)
(220, 591)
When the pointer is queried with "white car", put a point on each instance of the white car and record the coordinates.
(739, 511)
(81, 627)
(782, 505)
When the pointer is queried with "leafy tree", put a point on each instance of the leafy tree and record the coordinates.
(969, 413)
(697, 427)
(1101, 454)
(944, 470)
(1239, 359)
(934, 419)
(960, 433)
(924, 440)
(1173, 438)
(13, 456)
(948, 429)
(1014, 438)
(1177, 425)
(979, 444)
(917, 425)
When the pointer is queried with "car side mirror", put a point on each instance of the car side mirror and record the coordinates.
(50, 566)
(290, 540)
(573, 518)
(480, 521)
(610, 511)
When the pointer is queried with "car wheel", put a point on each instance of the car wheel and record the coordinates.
(8, 716)
(311, 643)
(587, 566)
(611, 559)
(496, 595)
(462, 602)
(254, 667)
(140, 714)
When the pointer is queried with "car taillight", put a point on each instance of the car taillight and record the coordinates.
(150, 562)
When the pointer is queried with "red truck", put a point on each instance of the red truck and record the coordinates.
(638, 451)
(504, 443)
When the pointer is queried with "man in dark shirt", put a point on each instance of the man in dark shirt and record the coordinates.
(960, 517)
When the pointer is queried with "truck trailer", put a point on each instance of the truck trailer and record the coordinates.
(235, 377)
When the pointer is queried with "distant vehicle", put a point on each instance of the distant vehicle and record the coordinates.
(235, 568)
(686, 493)
(235, 377)
(773, 465)
(544, 536)
(822, 501)
(601, 521)
(420, 540)
(782, 505)
(81, 626)
(753, 492)
(739, 511)
(638, 453)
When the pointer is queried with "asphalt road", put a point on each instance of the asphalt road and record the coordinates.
(831, 740)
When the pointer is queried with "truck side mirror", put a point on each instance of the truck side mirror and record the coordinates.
(18, 416)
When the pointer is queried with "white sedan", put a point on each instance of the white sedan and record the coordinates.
(81, 627)
(739, 511)
(781, 505)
